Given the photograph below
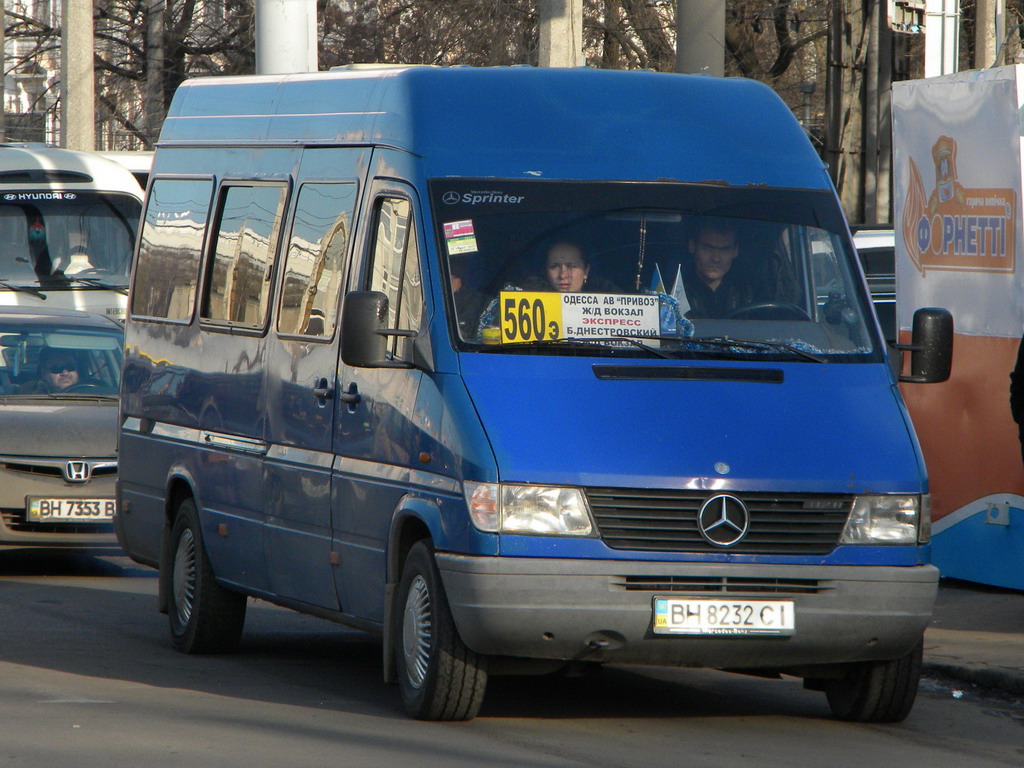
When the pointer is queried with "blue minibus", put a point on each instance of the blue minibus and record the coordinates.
(522, 371)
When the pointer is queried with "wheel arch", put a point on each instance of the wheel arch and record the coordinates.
(179, 487)
(410, 524)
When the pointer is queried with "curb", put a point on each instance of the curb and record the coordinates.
(1001, 681)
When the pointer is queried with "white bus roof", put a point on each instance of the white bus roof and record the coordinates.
(41, 166)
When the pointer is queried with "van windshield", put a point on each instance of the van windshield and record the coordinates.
(66, 240)
(666, 269)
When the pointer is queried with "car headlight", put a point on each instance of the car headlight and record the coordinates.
(887, 520)
(529, 509)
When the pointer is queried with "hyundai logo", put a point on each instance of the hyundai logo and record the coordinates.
(723, 520)
(450, 198)
(77, 472)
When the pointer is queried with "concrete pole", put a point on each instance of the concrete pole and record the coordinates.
(561, 33)
(3, 72)
(286, 39)
(985, 34)
(154, 107)
(700, 37)
(77, 84)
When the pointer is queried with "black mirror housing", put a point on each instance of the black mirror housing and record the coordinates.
(363, 318)
(931, 346)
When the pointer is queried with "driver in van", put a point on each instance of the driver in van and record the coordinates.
(712, 288)
(57, 372)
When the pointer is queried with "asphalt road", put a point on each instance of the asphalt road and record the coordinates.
(88, 678)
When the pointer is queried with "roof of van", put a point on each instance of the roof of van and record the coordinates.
(43, 166)
(511, 122)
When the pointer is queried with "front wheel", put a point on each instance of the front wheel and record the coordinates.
(204, 617)
(877, 691)
(439, 677)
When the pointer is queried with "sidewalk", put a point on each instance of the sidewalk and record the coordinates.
(977, 637)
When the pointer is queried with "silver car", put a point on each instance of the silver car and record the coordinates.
(59, 377)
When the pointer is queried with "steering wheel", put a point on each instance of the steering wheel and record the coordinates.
(769, 310)
(84, 387)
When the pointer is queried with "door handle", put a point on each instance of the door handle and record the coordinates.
(351, 396)
(322, 391)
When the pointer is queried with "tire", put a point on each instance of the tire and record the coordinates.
(439, 677)
(877, 691)
(204, 616)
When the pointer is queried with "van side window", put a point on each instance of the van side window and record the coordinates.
(240, 269)
(315, 260)
(395, 270)
(170, 248)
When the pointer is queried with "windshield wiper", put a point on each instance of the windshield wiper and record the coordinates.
(645, 347)
(22, 288)
(96, 283)
(754, 344)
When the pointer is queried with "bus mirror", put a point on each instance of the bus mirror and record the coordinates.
(931, 346)
(362, 320)
(364, 331)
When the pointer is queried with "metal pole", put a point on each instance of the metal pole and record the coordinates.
(286, 36)
(700, 37)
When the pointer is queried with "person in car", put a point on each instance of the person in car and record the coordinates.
(57, 372)
(567, 270)
(712, 289)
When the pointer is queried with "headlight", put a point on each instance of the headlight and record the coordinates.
(530, 509)
(885, 520)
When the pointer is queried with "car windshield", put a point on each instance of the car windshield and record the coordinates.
(640, 269)
(67, 239)
(54, 361)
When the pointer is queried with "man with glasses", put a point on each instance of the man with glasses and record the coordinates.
(57, 371)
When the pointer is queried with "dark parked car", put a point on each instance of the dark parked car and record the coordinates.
(59, 377)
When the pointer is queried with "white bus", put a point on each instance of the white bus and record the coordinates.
(67, 229)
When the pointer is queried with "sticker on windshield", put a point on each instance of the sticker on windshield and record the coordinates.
(459, 237)
(529, 316)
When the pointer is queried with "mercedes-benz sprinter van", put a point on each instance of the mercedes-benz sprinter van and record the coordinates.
(522, 370)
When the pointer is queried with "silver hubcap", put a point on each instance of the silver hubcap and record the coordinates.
(184, 578)
(417, 629)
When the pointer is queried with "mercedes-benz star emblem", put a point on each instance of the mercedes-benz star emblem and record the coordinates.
(450, 197)
(723, 520)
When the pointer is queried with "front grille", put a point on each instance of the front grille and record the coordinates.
(34, 469)
(55, 467)
(731, 585)
(647, 520)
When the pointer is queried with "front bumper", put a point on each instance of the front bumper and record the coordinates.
(589, 610)
(21, 477)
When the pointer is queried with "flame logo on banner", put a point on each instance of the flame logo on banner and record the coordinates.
(913, 212)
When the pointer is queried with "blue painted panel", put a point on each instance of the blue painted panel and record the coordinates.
(517, 122)
(826, 429)
(983, 552)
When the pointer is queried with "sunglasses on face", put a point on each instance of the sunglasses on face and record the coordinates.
(61, 367)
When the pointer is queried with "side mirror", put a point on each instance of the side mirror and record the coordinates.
(930, 347)
(364, 331)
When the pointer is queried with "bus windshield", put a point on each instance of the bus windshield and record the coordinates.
(67, 240)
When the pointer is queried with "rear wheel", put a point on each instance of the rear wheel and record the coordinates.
(439, 677)
(877, 691)
(204, 617)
